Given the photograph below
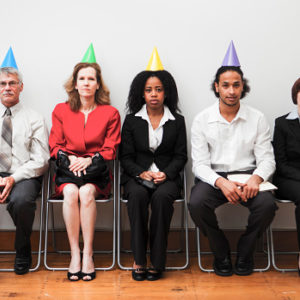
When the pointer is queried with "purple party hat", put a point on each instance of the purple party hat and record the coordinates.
(9, 60)
(231, 58)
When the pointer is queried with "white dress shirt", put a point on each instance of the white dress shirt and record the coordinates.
(30, 150)
(293, 115)
(155, 135)
(240, 145)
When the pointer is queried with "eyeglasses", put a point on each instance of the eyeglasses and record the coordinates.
(9, 83)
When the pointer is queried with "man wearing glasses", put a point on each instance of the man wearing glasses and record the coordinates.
(24, 157)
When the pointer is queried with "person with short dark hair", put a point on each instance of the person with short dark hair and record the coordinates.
(152, 153)
(231, 137)
(24, 155)
(286, 144)
(85, 134)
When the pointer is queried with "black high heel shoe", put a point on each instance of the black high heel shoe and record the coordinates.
(77, 274)
(92, 276)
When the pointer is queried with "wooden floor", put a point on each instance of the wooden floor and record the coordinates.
(188, 284)
(116, 284)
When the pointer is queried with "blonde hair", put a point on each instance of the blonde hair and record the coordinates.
(101, 95)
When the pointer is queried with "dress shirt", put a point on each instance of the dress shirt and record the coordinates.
(155, 135)
(240, 145)
(30, 150)
(293, 115)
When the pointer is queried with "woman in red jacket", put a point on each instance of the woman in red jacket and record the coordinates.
(85, 130)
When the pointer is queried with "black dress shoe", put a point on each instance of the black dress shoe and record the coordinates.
(22, 264)
(243, 267)
(154, 274)
(139, 274)
(223, 267)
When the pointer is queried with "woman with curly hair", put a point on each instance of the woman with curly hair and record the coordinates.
(153, 152)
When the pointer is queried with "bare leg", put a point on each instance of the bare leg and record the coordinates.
(72, 221)
(88, 212)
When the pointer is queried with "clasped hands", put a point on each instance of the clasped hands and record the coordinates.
(236, 191)
(6, 184)
(157, 177)
(78, 165)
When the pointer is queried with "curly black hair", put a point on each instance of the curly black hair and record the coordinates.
(223, 69)
(135, 99)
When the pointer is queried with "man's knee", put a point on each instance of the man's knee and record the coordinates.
(266, 204)
(23, 196)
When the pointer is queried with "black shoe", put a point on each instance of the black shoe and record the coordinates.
(77, 274)
(139, 274)
(22, 264)
(154, 274)
(223, 267)
(92, 276)
(243, 267)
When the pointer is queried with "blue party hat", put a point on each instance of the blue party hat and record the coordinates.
(9, 60)
(231, 58)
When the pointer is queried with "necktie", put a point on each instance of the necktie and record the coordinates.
(6, 142)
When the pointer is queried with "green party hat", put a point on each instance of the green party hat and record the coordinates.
(89, 56)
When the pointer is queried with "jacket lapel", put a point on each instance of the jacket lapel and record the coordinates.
(294, 127)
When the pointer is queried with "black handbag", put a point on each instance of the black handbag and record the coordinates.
(97, 172)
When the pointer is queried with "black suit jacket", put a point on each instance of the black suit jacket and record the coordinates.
(286, 144)
(170, 157)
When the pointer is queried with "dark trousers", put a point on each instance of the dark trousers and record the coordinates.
(289, 189)
(161, 201)
(21, 207)
(203, 202)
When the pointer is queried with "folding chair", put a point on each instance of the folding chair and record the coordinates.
(50, 201)
(184, 227)
(273, 252)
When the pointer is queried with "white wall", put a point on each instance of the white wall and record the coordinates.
(192, 36)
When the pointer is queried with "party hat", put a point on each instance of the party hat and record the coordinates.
(231, 58)
(89, 56)
(9, 60)
(154, 63)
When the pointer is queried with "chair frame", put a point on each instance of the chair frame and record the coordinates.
(273, 252)
(53, 201)
(39, 251)
(183, 201)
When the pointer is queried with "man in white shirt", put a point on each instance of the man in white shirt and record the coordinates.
(231, 137)
(24, 155)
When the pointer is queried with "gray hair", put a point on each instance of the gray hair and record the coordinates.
(10, 70)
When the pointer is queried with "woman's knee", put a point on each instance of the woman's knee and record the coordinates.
(70, 193)
(87, 194)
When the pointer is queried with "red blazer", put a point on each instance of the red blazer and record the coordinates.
(101, 133)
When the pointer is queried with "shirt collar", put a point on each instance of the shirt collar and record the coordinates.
(144, 115)
(215, 115)
(293, 114)
(13, 109)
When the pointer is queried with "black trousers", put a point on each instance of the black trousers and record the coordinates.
(203, 202)
(21, 207)
(161, 201)
(289, 189)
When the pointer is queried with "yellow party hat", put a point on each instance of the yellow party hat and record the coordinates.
(154, 63)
